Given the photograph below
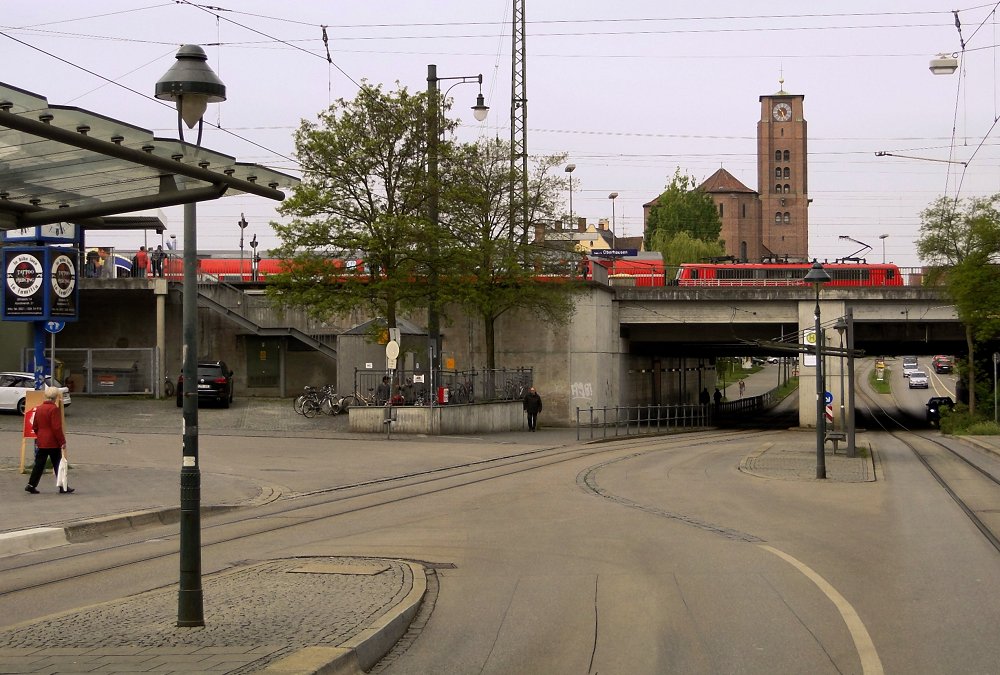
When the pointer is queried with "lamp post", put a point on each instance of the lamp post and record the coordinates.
(570, 168)
(883, 237)
(817, 276)
(243, 225)
(613, 196)
(433, 139)
(254, 260)
(192, 85)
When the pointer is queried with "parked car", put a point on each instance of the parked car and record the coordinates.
(918, 380)
(14, 385)
(215, 384)
(935, 405)
(773, 359)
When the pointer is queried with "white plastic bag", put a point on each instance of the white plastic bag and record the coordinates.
(62, 478)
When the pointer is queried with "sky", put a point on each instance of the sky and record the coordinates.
(630, 91)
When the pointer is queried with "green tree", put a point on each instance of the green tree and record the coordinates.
(684, 248)
(363, 194)
(490, 270)
(961, 240)
(683, 208)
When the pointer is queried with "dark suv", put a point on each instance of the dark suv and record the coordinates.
(215, 384)
(934, 406)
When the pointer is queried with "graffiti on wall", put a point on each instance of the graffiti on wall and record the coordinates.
(581, 390)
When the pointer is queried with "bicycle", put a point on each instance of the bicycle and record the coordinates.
(357, 398)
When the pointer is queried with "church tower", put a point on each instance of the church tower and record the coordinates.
(783, 182)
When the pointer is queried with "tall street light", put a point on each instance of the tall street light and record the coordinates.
(243, 225)
(570, 168)
(883, 237)
(433, 139)
(840, 326)
(613, 196)
(817, 276)
(192, 85)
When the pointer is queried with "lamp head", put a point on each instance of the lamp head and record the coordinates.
(570, 168)
(191, 83)
(613, 195)
(817, 276)
(480, 110)
(944, 64)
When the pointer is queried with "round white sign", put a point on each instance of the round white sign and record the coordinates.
(24, 275)
(63, 276)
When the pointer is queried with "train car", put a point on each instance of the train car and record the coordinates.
(785, 274)
(229, 269)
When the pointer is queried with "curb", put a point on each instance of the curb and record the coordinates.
(359, 654)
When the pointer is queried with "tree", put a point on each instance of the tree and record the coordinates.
(682, 247)
(363, 195)
(961, 239)
(683, 208)
(490, 268)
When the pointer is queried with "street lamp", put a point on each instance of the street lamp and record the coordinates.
(570, 168)
(254, 259)
(243, 225)
(944, 64)
(192, 85)
(479, 111)
(817, 276)
(883, 237)
(613, 196)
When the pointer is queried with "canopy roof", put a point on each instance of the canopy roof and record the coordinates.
(66, 164)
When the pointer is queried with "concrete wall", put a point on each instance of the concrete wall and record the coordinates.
(448, 419)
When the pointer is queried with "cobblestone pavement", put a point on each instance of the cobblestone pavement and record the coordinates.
(254, 616)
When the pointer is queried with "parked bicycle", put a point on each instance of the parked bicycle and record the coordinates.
(314, 400)
(357, 398)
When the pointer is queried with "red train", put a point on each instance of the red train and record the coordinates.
(786, 274)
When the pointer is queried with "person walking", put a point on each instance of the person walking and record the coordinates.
(704, 397)
(532, 406)
(49, 439)
(157, 259)
(717, 397)
(743, 388)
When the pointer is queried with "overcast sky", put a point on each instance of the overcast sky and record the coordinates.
(630, 90)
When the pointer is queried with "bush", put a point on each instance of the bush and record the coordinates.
(959, 422)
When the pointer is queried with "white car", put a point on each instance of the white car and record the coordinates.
(918, 380)
(910, 368)
(14, 385)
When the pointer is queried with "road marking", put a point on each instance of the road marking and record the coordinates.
(870, 662)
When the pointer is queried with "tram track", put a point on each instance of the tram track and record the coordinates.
(972, 485)
(35, 572)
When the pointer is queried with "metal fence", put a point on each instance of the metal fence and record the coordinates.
(657, 419)
(102, 371)
(454, 386)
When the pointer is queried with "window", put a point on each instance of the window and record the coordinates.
(787, 155)
(721, 210)
(744, 215)
(788, 217)
(787, 172)
(777, 155)
(777, 172)
(787, 188)
(777, 217)
(777, 188)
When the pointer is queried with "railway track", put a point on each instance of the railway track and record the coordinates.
(971, 477)
(130, 553)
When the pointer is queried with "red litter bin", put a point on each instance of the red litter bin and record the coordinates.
(442, 395)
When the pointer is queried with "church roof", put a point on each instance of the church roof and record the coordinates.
(723, 182)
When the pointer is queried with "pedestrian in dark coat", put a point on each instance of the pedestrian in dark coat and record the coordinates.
(49, 438)
(532, 406)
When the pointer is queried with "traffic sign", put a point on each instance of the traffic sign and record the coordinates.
(828, 397)
(54, 326)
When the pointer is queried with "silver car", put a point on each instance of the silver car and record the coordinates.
(918, 380)
(13, 388)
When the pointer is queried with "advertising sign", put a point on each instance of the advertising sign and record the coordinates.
(24, 284)
(40, 283)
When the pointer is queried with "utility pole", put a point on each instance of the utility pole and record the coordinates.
(519, 210)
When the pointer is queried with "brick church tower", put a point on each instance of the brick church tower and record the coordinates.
(782, 176)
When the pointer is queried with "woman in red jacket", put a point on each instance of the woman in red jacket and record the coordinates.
(49, 438)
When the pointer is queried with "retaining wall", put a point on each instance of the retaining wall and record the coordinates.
(445, 419)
